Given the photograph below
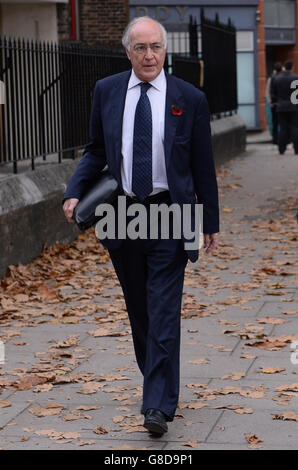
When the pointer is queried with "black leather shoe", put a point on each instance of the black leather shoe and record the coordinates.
(155, 421)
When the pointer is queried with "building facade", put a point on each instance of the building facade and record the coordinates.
(93, 21)
(266, 33)
(90, 21)
(30, 19)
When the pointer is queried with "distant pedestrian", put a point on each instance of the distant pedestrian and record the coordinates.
(277, 70)
(287, 111)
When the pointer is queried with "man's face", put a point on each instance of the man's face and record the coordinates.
(147, 50)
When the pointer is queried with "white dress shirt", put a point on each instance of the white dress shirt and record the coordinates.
(157, 97)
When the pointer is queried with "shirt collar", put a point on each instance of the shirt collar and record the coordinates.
(159, 82)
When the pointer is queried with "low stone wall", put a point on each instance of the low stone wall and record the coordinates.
(228, 138)
(31, 213)
(30, 203)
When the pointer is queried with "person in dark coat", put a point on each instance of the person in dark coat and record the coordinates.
(287, 111)
(277, 70)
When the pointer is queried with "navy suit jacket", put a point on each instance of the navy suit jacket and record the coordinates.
(187, 142)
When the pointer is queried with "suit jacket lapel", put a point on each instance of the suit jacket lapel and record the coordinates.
(118, 98)
(173, 97)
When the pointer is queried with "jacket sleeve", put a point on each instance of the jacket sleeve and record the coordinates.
(94, 157)
(203, 168)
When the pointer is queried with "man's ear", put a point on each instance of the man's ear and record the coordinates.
(127, 53)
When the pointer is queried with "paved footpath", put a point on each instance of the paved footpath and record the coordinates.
(70, 381)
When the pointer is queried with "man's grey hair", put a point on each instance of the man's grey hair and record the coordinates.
(127, 31)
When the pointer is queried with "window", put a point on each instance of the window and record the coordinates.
(280, 13)
(246, 77)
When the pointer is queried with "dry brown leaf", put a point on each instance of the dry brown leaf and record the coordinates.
(272, 370)
(271, 321)
(242, 411)
(236, 408)
(69, 435)
(234, 376)
(43, 388)
(190, 443)
(73, 340)
(282, 399)
(101, 430)
(274, 343)
(121, 397)
(253, 439)
(112, 377)
(252, 393)
(288, 388)
(74, 416)
(100, 332)
(131, 429)
(288, 416)
(46, 432)
(49, 410)
(192, 406)
(21, 297)
(26, 383)
(197, 386)
(90, 388)
(198, 361)
(5, 404)
(88, 407)
(228, 407)
(118, 419)
(85, 443)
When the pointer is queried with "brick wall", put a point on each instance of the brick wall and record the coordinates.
(103, 21)
(100, 21)
(63, 19)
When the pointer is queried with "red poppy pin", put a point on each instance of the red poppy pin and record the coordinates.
(176, 111)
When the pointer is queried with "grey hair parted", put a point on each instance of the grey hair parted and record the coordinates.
(132, 23)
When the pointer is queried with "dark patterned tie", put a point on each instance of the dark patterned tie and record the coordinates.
(142, 146)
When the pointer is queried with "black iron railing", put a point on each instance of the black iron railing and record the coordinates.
(220, 70)
(49, 91)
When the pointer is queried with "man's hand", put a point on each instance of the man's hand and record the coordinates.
(68, 208)
(210, 241)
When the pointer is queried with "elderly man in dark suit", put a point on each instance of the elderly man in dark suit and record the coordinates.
(287, 111)
(152, 130)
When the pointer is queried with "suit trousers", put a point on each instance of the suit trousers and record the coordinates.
(274, 125)
(288, 122)
(151, 274)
